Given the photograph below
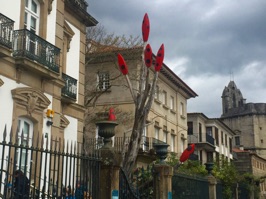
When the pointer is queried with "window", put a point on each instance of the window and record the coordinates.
(31, 18)
(216, 137)
(156, 130)
(237, 140)
(181, 109)
(172, 103)
(200, 156)
(200, 128)
(103, 81)
(225, 139)
(165, 132)
(156, 133)
(164, 97)
(209, 130)
(182, 145)
(173, 142)
(230, 145)
(156, 94)
(25, 131)
(190, 128)
(222, 137)
(31, 22)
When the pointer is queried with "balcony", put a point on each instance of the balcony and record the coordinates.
(205, 141)
(82, 4)
(70, 89)
(6, 32)
(79, 9)
(28, 45)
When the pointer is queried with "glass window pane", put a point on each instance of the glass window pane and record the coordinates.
(33, 6)
(27, 3)
(33, 23)
(26, 19)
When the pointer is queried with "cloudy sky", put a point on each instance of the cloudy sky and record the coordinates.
(207, 42)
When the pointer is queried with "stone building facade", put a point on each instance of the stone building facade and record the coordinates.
(42, 69)
(212, 138)
(167, 119)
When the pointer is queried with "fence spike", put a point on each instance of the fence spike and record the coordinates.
(42, 141)
(4, 135)
(17, 139)
(38, 139)
(78, 151)
(22, 137)
(67, 147)
(28, 138)
(11, 135)
(47, 140)
(56, 144)
(59, 145)
(75, 148)
(71, 146)
(52, 143)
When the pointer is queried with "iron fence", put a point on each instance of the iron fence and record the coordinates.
(47, 168)
(138, 185)
(121, 143)
(189, 187)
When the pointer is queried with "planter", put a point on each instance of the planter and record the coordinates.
(161, 151)
(209, 167)
(106, 130)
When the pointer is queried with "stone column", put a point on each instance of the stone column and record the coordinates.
(109, 175)
(163, 181)
(212, 186)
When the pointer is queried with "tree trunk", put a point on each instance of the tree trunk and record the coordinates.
(134, 144)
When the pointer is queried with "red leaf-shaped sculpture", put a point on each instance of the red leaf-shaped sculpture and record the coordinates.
(186, 153)
(145, 28)
(159, 58)
(122, 64)
(148, 55)
(111, 114)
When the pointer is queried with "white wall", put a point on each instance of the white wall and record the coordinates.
(70, 133)
(72, 65)
(11, 9)
(6, 105)
(51, 24)
(70, 136)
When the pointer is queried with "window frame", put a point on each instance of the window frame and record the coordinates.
(103, 81)
(27, 141)
(172, 103)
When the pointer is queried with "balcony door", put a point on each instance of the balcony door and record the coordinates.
(31, 22)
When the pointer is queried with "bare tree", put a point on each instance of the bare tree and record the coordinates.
(103, 47)
(143, 98)
(99, 42)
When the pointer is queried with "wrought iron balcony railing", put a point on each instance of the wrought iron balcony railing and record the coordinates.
(70, 88)
(29, 45)
(6, 31)
(204, 138)
(210, 139)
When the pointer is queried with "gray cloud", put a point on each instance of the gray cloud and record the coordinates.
(205, 41)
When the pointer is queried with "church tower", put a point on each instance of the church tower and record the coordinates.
(231, 97)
